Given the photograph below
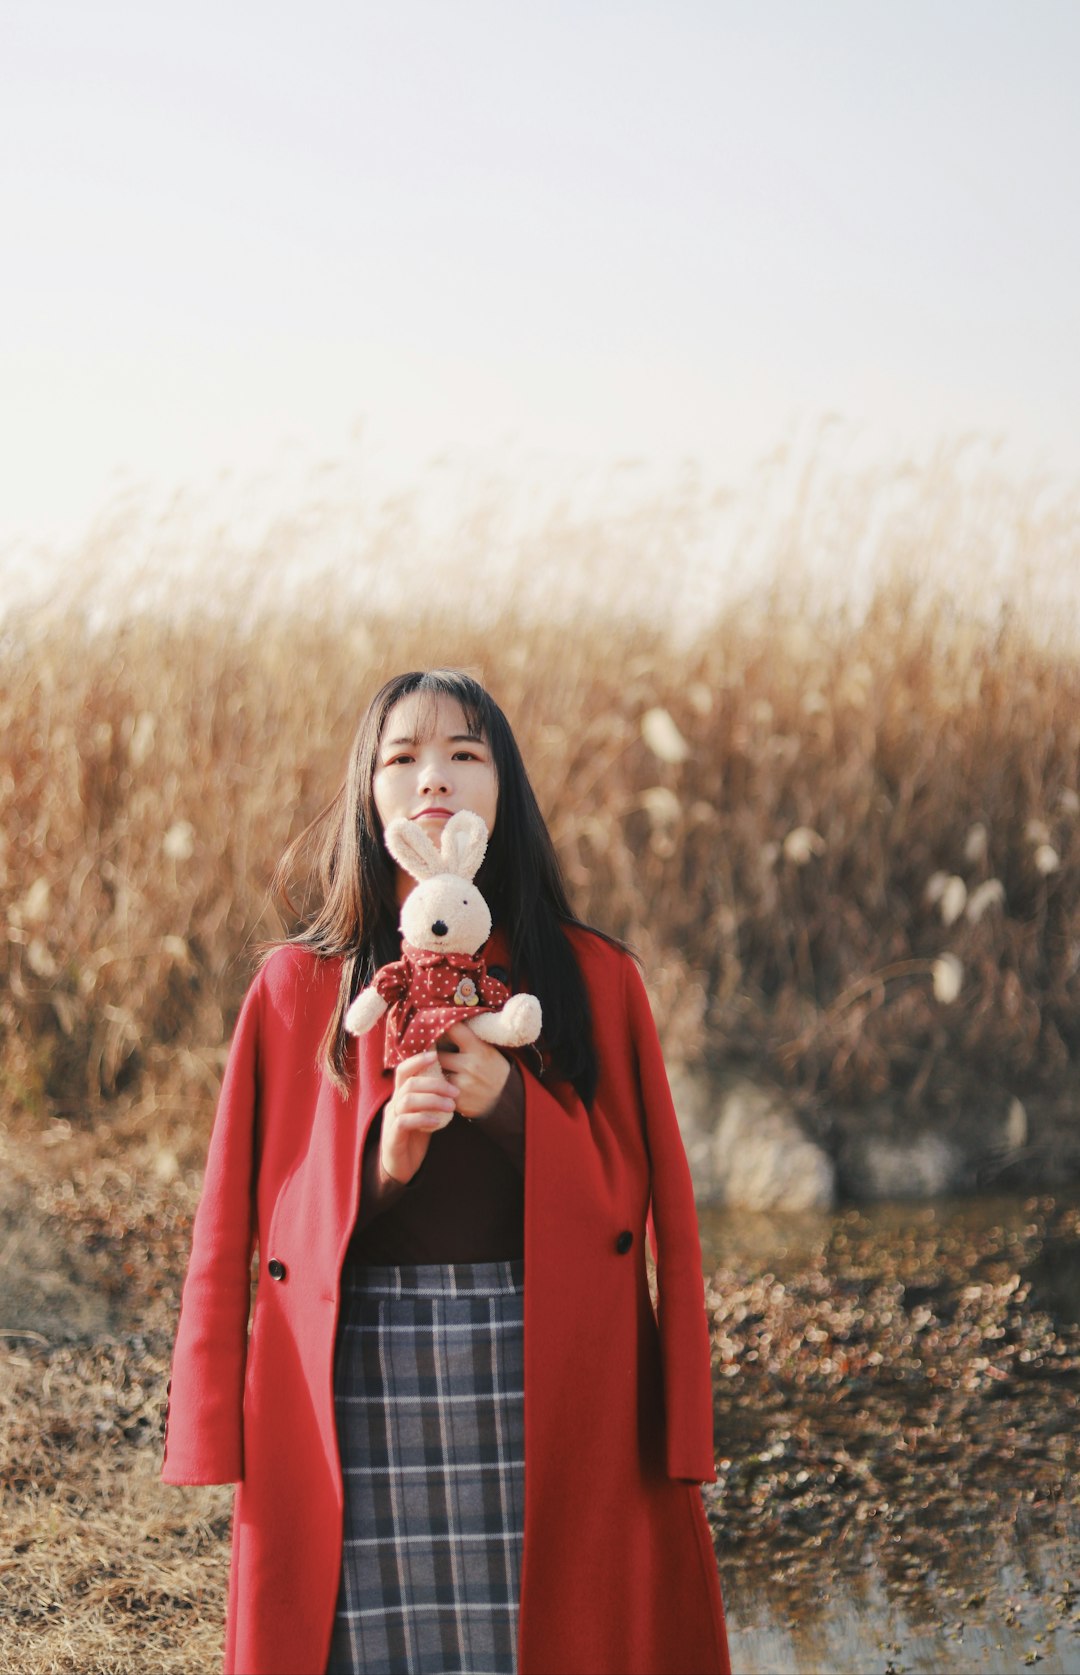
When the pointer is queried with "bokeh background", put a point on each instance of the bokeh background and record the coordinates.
(704, 378)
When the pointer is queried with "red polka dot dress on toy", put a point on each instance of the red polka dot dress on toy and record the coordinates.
(427, 993)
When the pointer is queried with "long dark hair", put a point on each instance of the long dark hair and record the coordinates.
(357, 914)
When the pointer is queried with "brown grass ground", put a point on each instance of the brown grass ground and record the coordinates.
(102, 1570)
(911, 1399)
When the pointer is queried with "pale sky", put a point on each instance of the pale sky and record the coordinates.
(573, 232)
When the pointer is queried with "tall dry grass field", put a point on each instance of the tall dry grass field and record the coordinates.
(840, 824)
(843, 834)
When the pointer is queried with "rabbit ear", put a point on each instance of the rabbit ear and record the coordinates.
(464, 841)
(412, 849)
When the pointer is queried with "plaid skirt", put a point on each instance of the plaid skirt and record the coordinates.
(429, 1401)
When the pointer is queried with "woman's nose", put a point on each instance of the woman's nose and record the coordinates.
(434, 777)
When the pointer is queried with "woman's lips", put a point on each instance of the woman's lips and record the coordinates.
(432, 814)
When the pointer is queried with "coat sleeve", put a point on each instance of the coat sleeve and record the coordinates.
(204, 1411)
(684, 1329)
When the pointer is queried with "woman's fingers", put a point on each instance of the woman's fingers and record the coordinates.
(423, 1099)
(463, 1036)
(417, 1095)
(423, 1122)
(476, 1070)
(467, 1051)
(420, 1094)
(418, 1065)
(418, 1078)
(422, 1103)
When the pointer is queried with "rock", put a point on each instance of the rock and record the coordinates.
(695, 1099)
(43, 1292)
(921, 1165)
(1016, 1130)
(746, 1146)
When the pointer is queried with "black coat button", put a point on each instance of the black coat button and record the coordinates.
(275, 1269)
(624, 1241)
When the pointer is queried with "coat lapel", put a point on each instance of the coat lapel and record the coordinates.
(332, 1188)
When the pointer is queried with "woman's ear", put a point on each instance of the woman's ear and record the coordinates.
(464, 841)
(412, 849)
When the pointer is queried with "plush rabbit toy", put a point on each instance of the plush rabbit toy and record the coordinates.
(439, 980)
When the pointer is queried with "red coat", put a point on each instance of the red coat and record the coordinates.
(618, 1573)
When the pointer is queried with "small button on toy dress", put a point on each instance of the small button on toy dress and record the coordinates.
(275, 1269)
(624, 1241)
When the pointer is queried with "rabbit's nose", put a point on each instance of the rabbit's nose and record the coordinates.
(439, 928)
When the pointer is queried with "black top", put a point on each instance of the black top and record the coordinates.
(466, 1202)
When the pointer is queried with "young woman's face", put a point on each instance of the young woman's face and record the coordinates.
(430, 765)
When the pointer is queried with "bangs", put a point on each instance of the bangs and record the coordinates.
(433, 685)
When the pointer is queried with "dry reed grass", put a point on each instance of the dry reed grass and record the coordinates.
(842, 829)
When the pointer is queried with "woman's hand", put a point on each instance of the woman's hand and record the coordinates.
(423, 1101)
(477, 1071)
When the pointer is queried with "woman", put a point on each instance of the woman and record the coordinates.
(461, 1438)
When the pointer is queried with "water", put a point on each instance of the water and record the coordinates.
(968, 1558)
(860, 1625)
